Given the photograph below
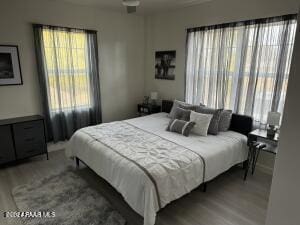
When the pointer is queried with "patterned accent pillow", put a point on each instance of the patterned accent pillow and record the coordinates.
(181, 114)
(202, 122)
(214, 123)
(225, 120)
(181, 127)
(180, 104)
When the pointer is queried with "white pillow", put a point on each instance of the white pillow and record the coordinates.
(202, 122)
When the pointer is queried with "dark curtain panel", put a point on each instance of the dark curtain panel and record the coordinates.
(67, 61)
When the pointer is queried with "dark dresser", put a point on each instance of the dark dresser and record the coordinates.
(21, 138)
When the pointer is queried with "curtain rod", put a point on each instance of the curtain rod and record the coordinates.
(63, 27)
(245, 22)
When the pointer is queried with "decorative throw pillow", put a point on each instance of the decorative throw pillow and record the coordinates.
(180, 127)
(202, 122)
(181, 104)
(181, 114)
(214, 123)
(188, 107)
(225, 120)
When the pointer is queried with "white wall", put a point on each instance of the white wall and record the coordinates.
(121, 52)
(285, 196)
(167, 31)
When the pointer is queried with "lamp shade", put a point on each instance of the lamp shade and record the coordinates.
(153, 95)
(274, 118)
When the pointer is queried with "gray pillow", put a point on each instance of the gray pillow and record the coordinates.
(181, 114)
(181, 127)
(181, 104)
(214, 123)
(188, 107)
(225, 120)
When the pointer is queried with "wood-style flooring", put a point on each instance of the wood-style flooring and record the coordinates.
(228, 200)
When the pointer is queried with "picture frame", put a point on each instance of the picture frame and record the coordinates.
(165, 65)
(10, 69)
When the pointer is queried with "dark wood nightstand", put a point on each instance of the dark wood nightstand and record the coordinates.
(147, 109)
(258, 140)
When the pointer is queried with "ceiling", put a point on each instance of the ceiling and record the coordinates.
(146, 6)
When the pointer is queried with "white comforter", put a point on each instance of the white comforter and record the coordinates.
(171, 181)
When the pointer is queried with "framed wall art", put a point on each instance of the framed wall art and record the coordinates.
(10, 70)
(165, 65)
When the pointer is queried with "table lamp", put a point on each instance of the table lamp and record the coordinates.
(273, 122)
(153, 97)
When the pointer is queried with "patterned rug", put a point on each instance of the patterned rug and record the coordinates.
(64, 199)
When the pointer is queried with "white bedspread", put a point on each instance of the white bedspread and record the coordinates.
(94, 148)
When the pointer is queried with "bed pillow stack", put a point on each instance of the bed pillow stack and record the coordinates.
(181, 113)
(206, 120)
(179, 104)
(183, 105)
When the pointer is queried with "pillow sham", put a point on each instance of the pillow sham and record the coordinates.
(181, 114)
(225, 120)
(188, 107)
(180, 127)
(214, 123)
(201, 121)
(180, 104)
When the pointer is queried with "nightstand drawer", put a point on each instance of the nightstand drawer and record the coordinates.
(146, 109)
(7, 152)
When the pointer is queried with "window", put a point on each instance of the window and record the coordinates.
(241, 66)
(67, 63)
(67, 68)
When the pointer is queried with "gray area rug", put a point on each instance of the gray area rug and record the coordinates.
(70, 197)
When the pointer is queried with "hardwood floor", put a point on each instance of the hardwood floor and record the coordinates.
(228, 200)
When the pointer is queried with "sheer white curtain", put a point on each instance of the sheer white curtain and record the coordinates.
(241, 66)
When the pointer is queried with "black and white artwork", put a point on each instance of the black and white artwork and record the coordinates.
(10, 72)
(165, 65)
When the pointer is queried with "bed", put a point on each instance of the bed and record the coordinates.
(150, 166)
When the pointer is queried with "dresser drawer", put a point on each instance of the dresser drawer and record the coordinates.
(28, 132)
(7, 152)
(29, 138)
(30, 149)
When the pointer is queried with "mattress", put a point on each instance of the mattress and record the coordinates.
(150, 166)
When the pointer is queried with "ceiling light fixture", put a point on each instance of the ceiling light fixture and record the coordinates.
(131, 5)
